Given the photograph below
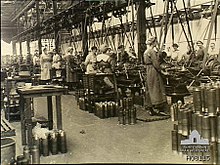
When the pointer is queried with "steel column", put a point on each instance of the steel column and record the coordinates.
(141, 29)
(84, 38)
(56, 32)
(38, 24)
(14, 50)
(28, 46)
(20, 48)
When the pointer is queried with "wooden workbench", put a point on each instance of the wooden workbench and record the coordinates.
(28, 93)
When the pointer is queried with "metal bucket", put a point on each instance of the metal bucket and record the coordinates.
(7, 150)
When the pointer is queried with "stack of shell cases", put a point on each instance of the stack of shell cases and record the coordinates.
(54, 143)
(202, 117)
(127, 112)
(106, 109)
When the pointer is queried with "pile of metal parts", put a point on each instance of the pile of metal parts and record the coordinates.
(44, 142)
(107, 106)
(99, 95)
(203, 116)
(54, 142)
(31, 155)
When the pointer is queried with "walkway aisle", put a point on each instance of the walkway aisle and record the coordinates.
(94, 140)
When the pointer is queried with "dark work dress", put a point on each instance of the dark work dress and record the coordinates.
(155, 91)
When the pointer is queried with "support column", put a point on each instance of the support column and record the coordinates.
(56, 32)
(28, 40)
(21, 58)
(20, 48)
(141, 30)
(28, 46)
(38, 24)
(14, 50)
(84, 39)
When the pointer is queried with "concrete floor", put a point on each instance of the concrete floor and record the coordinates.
(104, 141)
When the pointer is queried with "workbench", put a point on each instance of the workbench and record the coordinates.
(28, 93)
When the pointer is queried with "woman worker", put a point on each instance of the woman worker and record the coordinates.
(90, 61)
(155, 100)
(70, 63)
(36, 62)
(46, 65)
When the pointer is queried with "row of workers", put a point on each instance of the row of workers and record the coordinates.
(48, 60)
(175, 55)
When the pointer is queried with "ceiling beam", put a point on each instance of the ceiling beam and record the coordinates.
(28, 6)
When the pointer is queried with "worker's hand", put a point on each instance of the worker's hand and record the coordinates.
(83, 66)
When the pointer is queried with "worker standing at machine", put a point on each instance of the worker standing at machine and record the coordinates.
(187, 56)
(46, 65)
(122, 56)
(29, 60)
(36, 58)
(132, 53)
(105, 60)
(70, 63)
(213, 52)
(176, 56)
(56, 66)
(90, 62)
(200, 51)
(155, 100)
(56, 60)
(36, 62)
(105, 63)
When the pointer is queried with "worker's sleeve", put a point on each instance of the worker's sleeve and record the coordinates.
(155, 61)
(87, 60)
(145, 55)
(34, 60)
(41, 60)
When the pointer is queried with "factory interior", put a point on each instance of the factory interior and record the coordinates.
(110, 81)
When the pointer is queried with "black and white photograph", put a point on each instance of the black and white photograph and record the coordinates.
(110, 81)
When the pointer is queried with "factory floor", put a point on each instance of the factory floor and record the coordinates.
(94, 140)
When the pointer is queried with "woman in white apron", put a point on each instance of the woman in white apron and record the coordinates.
(46, 65)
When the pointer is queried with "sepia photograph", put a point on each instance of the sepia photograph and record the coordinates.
(110, 81)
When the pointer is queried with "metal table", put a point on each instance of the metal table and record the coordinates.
(26, 94)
